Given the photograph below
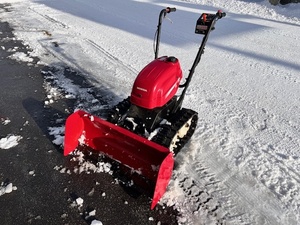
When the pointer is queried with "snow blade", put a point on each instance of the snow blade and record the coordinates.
(145, 157)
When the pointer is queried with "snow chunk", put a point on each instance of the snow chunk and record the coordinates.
(81, 140)
(92, 213)
(5, 121)
(9, 141)
(21, 56)
(96, 222)
(31, 173)
(79, 201)
(9, 188)
(5, 189)
(58, 133)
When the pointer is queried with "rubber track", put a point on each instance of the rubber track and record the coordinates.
(167, 132)
(118, 111)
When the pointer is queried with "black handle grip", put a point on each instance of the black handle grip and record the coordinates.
(221, 14)
(168, 9)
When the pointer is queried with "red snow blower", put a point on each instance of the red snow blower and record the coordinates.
(145, 131)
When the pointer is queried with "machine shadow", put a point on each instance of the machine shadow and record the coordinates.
(44, 117)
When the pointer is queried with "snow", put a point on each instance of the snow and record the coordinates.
(79, 201)
(9, 141)
(96, 222)
(242, 164)
(7, 188)
(5, 121)
(21, 56)
(58, 133)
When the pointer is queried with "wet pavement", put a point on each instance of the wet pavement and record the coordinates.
(43, 194)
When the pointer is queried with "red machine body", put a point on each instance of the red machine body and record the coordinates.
(157, 83)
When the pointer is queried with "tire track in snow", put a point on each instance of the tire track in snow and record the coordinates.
(237, 196)
(205, 195)
(35, 10)
(248, 140)
(105, 63)
(112, 59)
(258, 145)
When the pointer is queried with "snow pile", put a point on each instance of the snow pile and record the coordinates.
(7, 188)
(9, 141)
(21, 57)
(90, 167)
(85, 166)
(53, 93)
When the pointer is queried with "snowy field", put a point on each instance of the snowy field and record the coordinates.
(242, 165)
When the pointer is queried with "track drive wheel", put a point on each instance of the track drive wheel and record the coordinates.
(175, 135)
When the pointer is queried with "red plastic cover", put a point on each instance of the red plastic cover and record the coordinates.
(157, 83)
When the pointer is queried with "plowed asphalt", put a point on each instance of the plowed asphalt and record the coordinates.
(44, 195)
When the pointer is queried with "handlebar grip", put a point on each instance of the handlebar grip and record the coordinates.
(221, 14)
(168, 9)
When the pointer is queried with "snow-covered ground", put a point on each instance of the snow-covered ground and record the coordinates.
(242, 164)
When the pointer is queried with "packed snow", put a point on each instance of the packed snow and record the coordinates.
(242, 164)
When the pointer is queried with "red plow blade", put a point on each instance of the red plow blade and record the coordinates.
(145, 157)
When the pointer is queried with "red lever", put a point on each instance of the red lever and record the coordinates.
(204, 17)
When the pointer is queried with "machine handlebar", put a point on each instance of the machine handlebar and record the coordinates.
(162, 15)
(168, 10)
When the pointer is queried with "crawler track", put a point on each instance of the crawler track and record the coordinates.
(176, 134)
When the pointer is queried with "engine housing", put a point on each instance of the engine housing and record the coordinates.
(157, 83)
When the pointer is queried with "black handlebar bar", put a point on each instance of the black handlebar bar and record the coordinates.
(157, 34)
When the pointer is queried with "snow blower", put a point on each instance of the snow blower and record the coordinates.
(145, 131)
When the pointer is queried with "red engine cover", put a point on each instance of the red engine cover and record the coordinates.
(157, 83)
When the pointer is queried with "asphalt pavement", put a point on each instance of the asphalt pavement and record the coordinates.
(44, 195)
